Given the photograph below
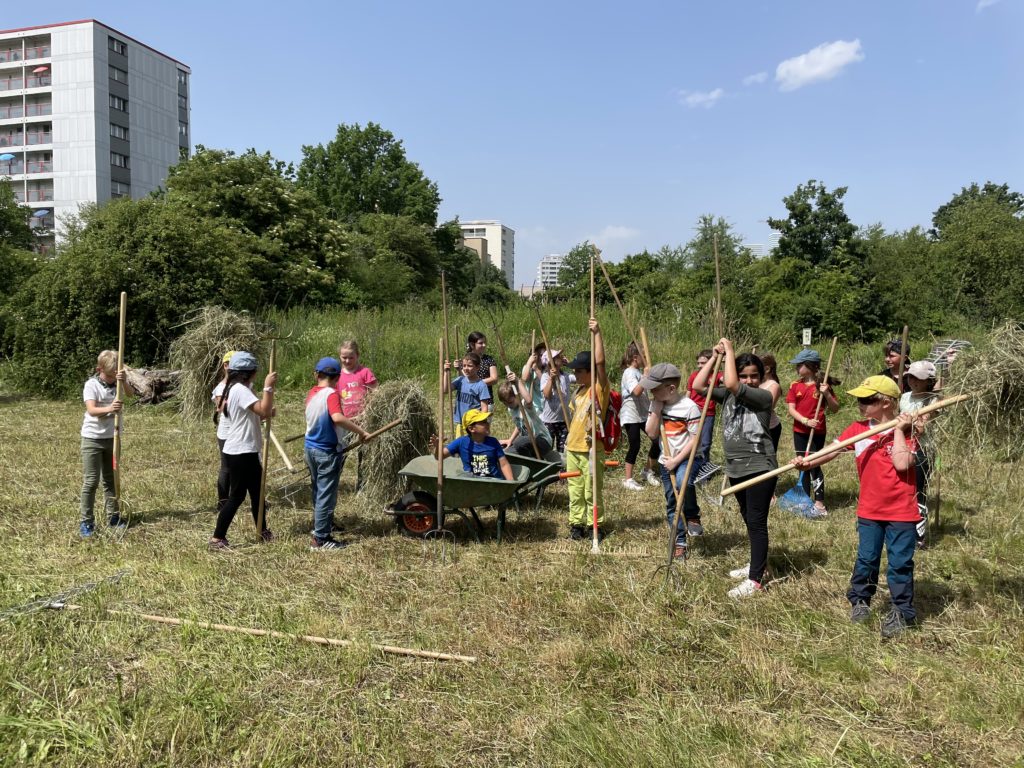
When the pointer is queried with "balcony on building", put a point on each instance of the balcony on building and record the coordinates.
(28, 49)
(38, 162)
(39, 192)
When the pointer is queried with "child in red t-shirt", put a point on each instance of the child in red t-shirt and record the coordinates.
(809, 418)
(887, 506)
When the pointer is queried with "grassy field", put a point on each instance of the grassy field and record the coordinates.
(582, 660)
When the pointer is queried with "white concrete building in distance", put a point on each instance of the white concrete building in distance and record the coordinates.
(87, 114)
(500, 242)
(547, 270)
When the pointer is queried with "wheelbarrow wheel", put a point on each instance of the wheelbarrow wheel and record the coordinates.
(417, 514)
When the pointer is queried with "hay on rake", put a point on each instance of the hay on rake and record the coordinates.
(198, 353)
(383, 457)
(994, 373)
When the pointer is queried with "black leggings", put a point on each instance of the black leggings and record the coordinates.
(223, 484)
(754, 503)
(776, 434)
(812, 477)
(633, 432)
(244, 473)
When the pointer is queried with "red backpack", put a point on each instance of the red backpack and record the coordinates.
(610, 428)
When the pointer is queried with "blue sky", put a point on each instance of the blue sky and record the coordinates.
(618, 122)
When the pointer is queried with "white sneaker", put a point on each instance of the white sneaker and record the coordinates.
(653, 479)
(746, 588)
(632, 485)
(740, 573)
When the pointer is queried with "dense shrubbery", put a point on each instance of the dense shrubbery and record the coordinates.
(355, 228)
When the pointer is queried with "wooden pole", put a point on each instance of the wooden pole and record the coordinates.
(389, 426)
(315, 639)
(821, 397)
(558, 381)
(280, 450)
(440, 434)
(595, 545)
(664, 435)
(119, 395)
(903, 356)
(261, 510)
(533, 346)
(719, 315)
(841, 444)
(447, 346)
(615, 295)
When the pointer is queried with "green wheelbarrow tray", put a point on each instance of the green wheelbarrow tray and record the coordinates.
(543, 472)
(462, 491)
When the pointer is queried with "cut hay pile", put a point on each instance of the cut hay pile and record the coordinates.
(198, 353)
(402, 399)
(993, 373)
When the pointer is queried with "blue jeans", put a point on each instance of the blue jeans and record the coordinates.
(690, 509)
(707, 433)
(324, 472)
(900, 541)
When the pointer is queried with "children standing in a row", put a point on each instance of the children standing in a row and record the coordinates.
(802, 399)
(633, 416)
(241, 411)
(100, 397)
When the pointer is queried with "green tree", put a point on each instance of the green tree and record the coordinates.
(365, 170)
(999, 195)
(816, 229)
(17, 262)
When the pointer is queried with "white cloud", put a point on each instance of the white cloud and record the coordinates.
(613, 233)
(818, 64)
(760, 77)
(700, 98)
(983, 4)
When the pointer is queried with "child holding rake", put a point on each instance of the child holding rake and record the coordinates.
(100, 397)
(807, 401)
(887, 510)
(633, 414)
(921, 377)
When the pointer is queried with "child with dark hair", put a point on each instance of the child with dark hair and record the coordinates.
(481, 454)
(470, 391)
(808, 415)
(633, 415)
(476, 343)
(749, 452)
(896, 362)
(241, 411)
(887, 512)
(707, 433)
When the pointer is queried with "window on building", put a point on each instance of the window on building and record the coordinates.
(116, 102)
(117, 46)
(183, 130)
(182, 77)
(121, 161)
(120, 189)
(118, 74)
(182, 102)
(118, 131)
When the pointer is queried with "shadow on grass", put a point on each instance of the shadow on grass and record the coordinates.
(153, 515)
(795, 562)
(12, 398)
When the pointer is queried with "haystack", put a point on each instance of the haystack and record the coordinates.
(198, 353)
(993, 372)
(405, 400)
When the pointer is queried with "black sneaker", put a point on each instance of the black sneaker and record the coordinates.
(860, 612)
(694, 528)
(894, 624)
(600, 533)
(336, 527)
(326, 545)
(577, 532)
(116, 521)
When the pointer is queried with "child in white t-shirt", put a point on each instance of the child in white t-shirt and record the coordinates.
(101, 403)
(633, 416)
(240, 412)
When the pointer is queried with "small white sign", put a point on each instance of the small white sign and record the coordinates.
(807, 337)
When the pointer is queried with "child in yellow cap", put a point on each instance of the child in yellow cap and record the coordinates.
(887, 506)
(481, 454)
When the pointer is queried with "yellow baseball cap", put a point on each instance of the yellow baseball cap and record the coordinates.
(876, 385)
(474, 416)
(227, 356)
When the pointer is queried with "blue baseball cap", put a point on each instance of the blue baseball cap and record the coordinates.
(806, 356)
(242, 361)
(329, 366)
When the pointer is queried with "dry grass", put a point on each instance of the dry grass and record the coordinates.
(583, 660)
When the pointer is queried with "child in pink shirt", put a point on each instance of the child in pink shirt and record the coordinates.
(354, 384)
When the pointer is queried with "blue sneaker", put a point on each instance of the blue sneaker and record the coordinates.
(85, 530)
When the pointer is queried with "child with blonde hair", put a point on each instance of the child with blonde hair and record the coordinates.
(97, 447)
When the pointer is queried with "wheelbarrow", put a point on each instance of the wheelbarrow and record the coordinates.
(543, 472)
(416, 513)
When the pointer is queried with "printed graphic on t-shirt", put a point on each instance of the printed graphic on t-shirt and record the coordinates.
(744, 425)
(481, 465)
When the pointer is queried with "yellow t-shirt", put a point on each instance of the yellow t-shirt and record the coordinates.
(579, 417)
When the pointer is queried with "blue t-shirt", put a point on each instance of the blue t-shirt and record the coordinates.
(468, 395)
(480, 459)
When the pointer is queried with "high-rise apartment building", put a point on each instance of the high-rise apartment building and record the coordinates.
(547, 270)
(87, 114)
(500, 242)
